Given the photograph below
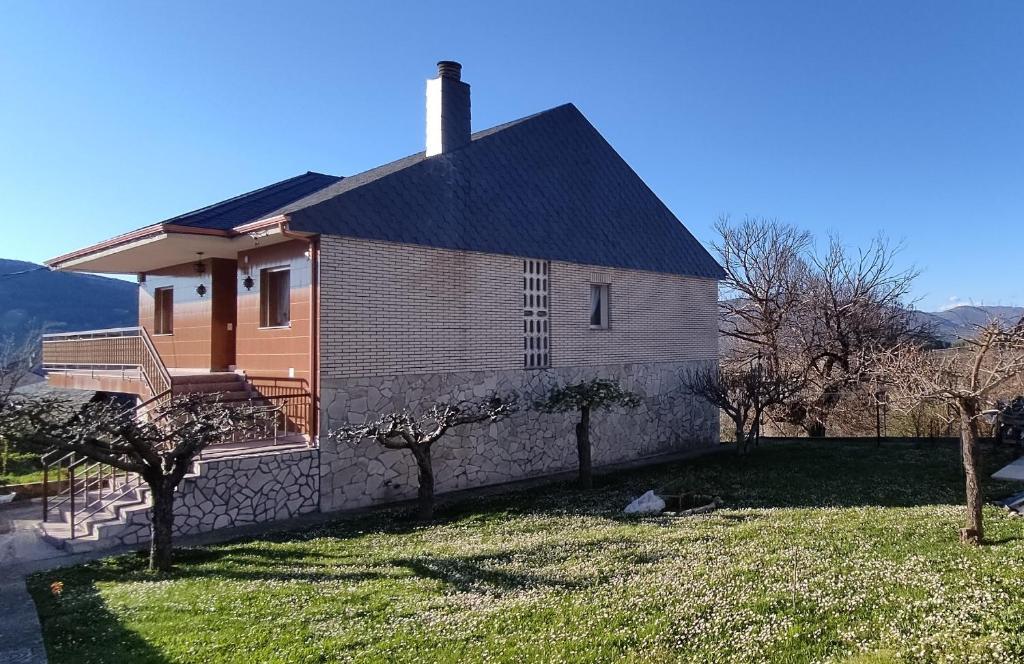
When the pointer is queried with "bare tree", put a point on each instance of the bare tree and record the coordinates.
(744, 393)
(821, 316)
(585, 397)
(765, 262)
(967, 379)
(853, 305)
(160, 448)
(418, 433)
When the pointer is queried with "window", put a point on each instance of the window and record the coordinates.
(599, 306)
(163, 311)
(275, 297)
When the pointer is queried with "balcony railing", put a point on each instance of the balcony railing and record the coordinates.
(294, 398)
(102, 350)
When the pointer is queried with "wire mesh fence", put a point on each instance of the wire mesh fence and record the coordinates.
(867, 415)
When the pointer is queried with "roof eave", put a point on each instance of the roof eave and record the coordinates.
(164, 232)
(126, 238)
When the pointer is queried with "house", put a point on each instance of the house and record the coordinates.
(509, 259)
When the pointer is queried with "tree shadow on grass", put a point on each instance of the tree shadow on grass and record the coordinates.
(246, 562)
(479, 574)
(1002, 540)
(79, 627)
(800, 474)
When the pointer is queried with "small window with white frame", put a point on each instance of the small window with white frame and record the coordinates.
(275, 297)
(599, 306)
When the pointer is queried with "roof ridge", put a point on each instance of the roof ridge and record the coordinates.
(415, 158)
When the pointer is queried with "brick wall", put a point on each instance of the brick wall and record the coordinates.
(652, 317)
(392, 309)
(388, 309)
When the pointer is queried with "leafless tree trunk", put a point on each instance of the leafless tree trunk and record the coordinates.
(963, 379)
(585, 397)
(973, 533)
(822, 316)
(161, 524)
(425, 477)
(583, 449)
(743, 393)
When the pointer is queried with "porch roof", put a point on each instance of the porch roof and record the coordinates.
(218, 231)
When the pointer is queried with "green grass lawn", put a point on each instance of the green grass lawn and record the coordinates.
(22, 468)
(825, 552)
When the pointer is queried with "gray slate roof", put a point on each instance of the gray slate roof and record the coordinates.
(547, 186)
(254, 205)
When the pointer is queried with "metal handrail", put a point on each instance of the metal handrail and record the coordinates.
(91, 488)
(71, 463)
(158, 363)
(96, 334)
(142, 355)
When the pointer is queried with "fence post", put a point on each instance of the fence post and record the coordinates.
(46, 489)
(878, 422)
(71, 487)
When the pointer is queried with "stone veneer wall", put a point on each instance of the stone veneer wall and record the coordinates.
(235, 491)
(526, 445)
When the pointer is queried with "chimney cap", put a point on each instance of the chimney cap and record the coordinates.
(449, 69)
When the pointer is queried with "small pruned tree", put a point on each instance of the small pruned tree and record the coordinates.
(744, 393)
(405, 430)
(584, 398)
(159, 448)
(966, 379)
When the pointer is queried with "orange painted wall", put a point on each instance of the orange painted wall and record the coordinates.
(195, 342)
(272, 351)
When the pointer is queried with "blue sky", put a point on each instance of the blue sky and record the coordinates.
(854, 118)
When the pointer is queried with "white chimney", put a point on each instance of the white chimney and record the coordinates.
(448, 125)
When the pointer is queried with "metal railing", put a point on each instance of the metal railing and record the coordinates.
(85, 488)
(104, 350)
(294, 398)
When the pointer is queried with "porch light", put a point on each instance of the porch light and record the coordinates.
(200, 270)
(248, 282)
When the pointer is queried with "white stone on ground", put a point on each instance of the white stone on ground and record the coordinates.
(649, 503)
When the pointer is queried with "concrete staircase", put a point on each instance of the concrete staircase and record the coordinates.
(118, 514)
(99, 530)
(228, 385)
(115, 521)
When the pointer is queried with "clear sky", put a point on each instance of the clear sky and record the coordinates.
(846, 117)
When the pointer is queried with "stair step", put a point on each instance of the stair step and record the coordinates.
(221, 386)
(212, 377)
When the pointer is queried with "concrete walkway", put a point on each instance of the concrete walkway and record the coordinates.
(21, 638)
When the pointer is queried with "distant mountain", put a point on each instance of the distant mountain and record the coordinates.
(963, 321)
(31, 297)
(956, 323)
